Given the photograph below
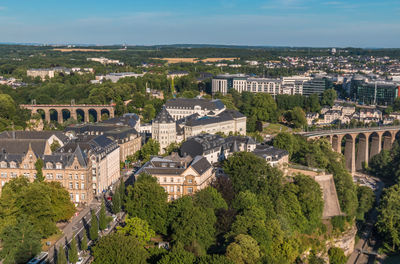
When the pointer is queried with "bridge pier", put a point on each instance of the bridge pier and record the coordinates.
(362, 151)
(350, 153)
(86, 117)
(376, 145)
(73, 114)
(60, 117)
(47, 115)
(337, 143)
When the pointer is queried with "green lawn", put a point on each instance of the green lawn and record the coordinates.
(273, 129)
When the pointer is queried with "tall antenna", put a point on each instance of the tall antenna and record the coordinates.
(375, 93)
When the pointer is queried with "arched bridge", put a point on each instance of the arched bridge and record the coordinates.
(359, 144)
(61, 112)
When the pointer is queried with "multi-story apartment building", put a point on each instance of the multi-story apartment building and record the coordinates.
(179, 176)
(41, 73)
(274, 86)
(315, 86)
(164, 129)
(72, 170)
(104, 157)
(180, 108)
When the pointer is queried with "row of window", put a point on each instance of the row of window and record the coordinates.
(71, 186)
(165, 179)
(12, 175)
(59, 176)
(173, 189)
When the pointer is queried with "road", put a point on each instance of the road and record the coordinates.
(366, 244)
(81, 223)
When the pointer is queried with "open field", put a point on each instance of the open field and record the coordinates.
(83, 50)
(193, 60)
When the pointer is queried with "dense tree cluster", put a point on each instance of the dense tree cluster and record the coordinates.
(252, 215)
(319, 154)
(29, 212)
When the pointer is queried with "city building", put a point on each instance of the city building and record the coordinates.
(115, 77)
(41, 73)
(103, 155)
(227, 122)
(273, 156)
(216, 148)
(180, 108)
(374, 92)
(179, 176)
(72, 169)
(243, 83)
(127, 138)
(163, 129)
(315, 86)
(105, 61)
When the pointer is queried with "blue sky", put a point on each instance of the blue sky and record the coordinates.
(317, 23)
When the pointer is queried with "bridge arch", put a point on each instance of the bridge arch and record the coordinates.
(80, 115)
(104, 114)
(53, 115)
(93, 115)
(66, 114)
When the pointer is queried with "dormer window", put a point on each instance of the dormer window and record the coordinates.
(49, 165)
(13, 164)
(3, 164)
(59, 166)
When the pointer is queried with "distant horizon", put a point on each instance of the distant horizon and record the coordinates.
(184, 44)
(288, 23)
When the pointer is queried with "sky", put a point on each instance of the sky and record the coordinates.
(301, 23)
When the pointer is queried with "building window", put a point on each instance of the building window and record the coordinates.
(83, 196)
(70, 176)
(58, 166)
(190, 181)
(13, 165)
(172, 179)
(77, 185)
(70, 185)
(178, 189)
(4, 175)
(190, 190)
(71, 196)
(49, 165)
(59, 176)
(4, 164)
(171, 189)
(82, 186)
(26, 166)
(76, 176)
(165, 179)
(82, 177)
(49, 176)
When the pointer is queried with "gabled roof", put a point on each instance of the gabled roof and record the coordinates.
(19, 134)
(21, 146)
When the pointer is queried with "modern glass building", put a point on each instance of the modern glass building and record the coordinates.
(373, 93)
(316, 86)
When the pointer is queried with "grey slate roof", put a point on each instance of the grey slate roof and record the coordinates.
(19, 134)
(221, 117)
(21, 146)
(164, 117)
(270, 151)
(192, 102)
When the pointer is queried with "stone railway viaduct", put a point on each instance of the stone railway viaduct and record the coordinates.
(73, 110)
(360, 144)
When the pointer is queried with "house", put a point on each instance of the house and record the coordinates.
(179, 176)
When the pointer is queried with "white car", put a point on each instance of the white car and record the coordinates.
(80, 260)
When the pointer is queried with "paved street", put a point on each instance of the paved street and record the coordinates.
(366, 244)
(81, 223)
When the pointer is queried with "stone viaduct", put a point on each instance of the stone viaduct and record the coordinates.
(359, 145)
(72, 109)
